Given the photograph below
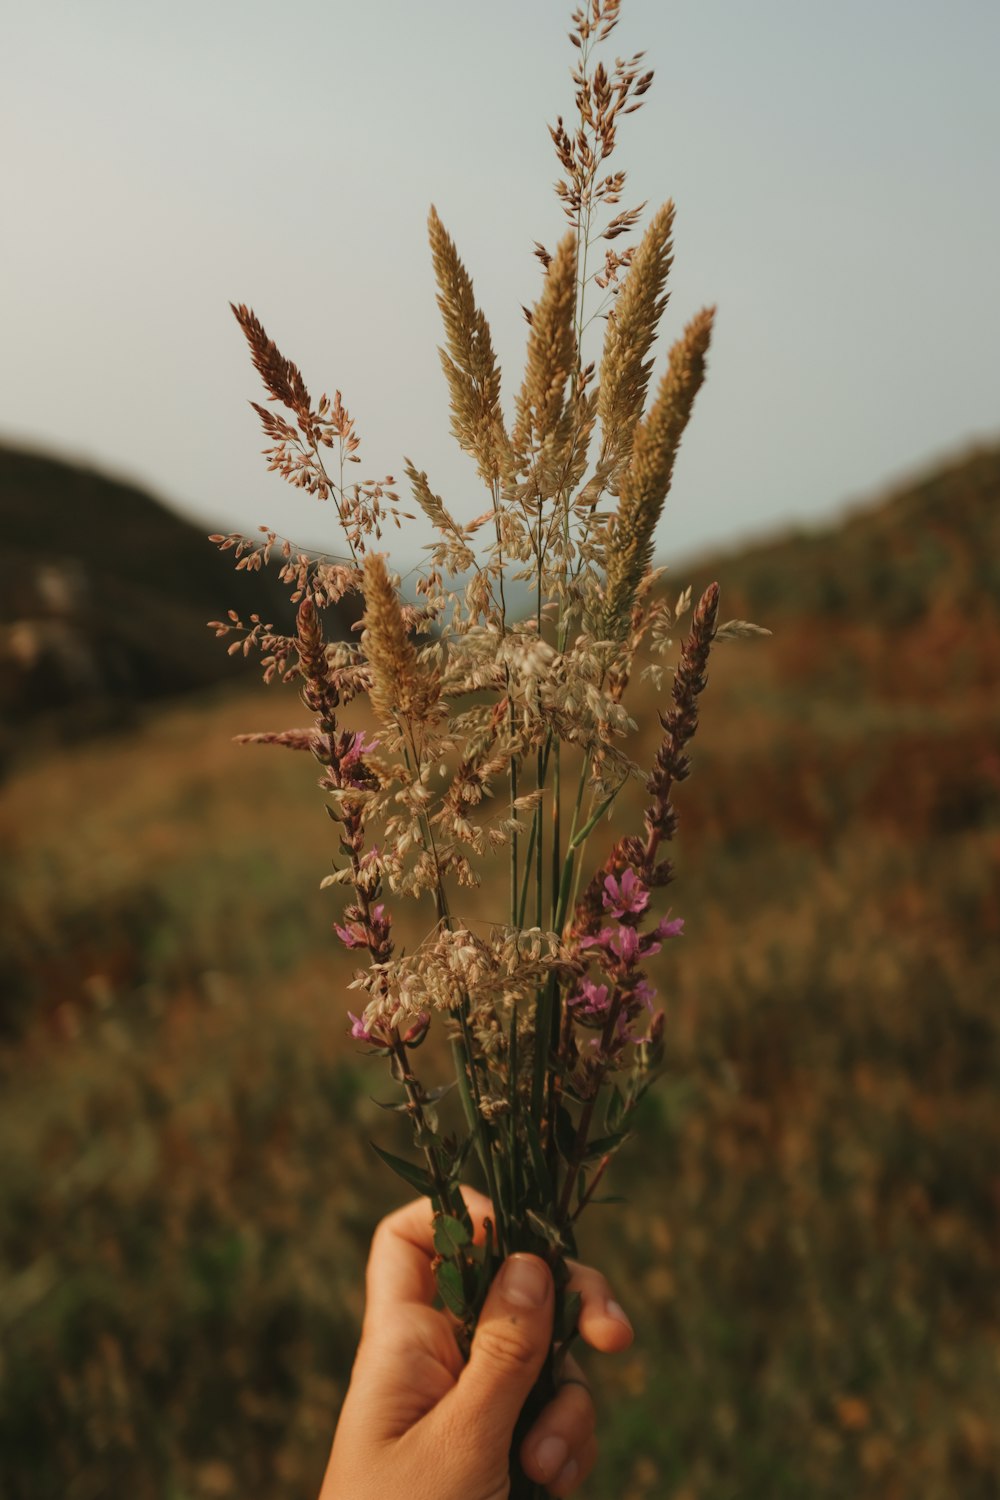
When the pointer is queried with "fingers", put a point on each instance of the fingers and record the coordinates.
(399, 1263)
(560, 1450)
(604, 1324)
(509, 1347)
(576, 1471)
(399, 1270)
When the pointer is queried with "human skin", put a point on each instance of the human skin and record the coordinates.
(418, 1422)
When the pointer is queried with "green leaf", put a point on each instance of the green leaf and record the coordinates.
(605, 1145)
(546, 1229)
(408, 1170)
(450, 1288)
(449, 1235)
(568, 1315)
(615, 1109)
(435, 1095)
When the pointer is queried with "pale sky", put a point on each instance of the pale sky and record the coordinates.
(835, 170)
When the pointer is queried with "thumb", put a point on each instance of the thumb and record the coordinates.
(509, 1347)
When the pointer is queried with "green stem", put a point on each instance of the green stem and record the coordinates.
(586, 1114)
(415, 1099)
(471, 1102)
(556, 831)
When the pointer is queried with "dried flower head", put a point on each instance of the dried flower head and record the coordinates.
(402, 687)
(486, 712)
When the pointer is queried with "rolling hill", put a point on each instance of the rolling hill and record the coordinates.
(104, 595)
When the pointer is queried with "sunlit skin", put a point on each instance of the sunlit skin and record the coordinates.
(418, 1423)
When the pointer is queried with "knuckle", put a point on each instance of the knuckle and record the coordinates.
(588, 1281)
(507, 1341)
(384, 1231)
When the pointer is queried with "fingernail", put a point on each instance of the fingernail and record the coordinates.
(616, 1311)
(524, 1281)
(570, 1472)
(551, 1454)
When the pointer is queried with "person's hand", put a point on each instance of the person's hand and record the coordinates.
(418, 1423)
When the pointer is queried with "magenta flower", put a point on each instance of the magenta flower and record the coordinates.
(625, 896)
(352, 936)
(359, 1030)
(351, 765)
(591, 1001)
(653, 941)
(621, 943)
(356, 934)
(625, 946)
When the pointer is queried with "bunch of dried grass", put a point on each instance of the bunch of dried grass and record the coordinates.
(548, 1007)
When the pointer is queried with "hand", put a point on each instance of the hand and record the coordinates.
(418, 1423)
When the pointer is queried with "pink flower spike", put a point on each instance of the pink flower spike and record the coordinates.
(359, 1030)
(627, 895)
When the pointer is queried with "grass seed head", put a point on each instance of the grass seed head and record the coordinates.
(646, 481)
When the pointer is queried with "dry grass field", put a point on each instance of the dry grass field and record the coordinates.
(810, 1242)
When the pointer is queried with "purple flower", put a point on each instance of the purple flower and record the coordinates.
(591, 1000)
(627, 895)
(359, 1030)
(653, 941)
(645, 994)
(356, 934)
(625, 946)
(604, 939)
(351, 767)
(352, 936)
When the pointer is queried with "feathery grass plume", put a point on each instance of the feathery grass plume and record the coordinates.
(318, 692)
(469, 364)
(646, 481)
(453, 547)
(402, 688)
(632, 326)
(552, 354)
(282, 378)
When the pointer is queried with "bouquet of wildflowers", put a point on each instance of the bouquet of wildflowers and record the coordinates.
(502, 733)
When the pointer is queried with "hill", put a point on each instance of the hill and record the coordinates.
(104, 595)
(930, 544)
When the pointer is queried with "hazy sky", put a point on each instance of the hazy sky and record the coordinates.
(835, 169)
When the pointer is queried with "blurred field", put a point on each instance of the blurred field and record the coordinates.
(810, 1246)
